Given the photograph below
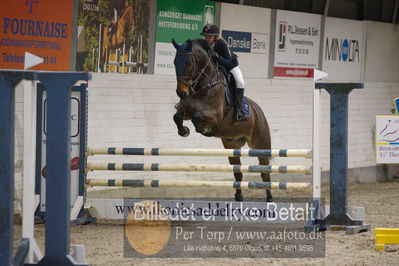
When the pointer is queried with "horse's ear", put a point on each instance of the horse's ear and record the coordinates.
(189, 45)
(175, 44)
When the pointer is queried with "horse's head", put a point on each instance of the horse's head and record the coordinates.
(190, 63)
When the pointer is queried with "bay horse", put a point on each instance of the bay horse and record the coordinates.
(118, 37)
(201, 88)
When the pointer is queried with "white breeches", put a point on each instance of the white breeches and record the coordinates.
(238, 77)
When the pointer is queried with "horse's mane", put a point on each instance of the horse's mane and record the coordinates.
(202, 43)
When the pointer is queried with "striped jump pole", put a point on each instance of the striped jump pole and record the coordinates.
(198, 184)
(201, 152)
(200, 168)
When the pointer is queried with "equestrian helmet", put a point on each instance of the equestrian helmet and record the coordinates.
(210, 29)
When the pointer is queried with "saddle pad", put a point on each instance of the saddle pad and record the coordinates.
(229, 97)
(245, 107)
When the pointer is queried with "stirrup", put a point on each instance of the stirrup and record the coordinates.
(238, 118)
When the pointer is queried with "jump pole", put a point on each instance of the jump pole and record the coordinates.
(197, 184)
(200, 152)
(199, 168)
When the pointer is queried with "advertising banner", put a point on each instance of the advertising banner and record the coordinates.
(343, 49)
(387, 139)
(296, 44)
(43, 28)
(181, 20)
(246, 30)
(75, 148)
(113, 36)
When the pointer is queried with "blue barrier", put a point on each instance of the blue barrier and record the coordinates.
(58, 86)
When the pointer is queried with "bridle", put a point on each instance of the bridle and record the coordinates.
(192, 83)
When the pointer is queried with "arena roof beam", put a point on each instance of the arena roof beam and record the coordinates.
(326, 7)
(395, 11)
(314, 11)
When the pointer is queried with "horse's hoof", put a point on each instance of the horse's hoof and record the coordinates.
(239, 197)
(184, 132)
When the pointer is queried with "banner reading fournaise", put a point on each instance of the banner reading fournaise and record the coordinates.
(43, 28)
(181, 20)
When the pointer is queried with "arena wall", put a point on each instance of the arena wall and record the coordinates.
(136, 111)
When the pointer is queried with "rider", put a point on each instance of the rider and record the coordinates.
(119, 7)
(229, 61)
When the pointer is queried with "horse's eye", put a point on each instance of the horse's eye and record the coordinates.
(190, 63)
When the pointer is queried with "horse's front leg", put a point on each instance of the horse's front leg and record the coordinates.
(181, 130)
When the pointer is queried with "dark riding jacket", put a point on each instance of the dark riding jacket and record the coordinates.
(224, 56)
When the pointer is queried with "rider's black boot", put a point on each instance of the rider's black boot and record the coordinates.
(239, 115)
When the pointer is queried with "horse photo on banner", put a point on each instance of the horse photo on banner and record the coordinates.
(113, 36)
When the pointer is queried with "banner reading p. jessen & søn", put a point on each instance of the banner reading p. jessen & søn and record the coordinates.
(297, 44)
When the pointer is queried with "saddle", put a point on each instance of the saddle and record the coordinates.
(230, 92)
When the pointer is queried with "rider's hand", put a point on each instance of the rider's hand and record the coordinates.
(214, 55)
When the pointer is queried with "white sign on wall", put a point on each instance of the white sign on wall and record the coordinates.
(164, 56)
(75, 148)
(246, 30)
(343, 51)
(387, 139)
(297, 44)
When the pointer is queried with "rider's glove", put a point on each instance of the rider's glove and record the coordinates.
(214, 55)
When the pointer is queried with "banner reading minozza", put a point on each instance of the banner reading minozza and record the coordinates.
(297, 44)
(181, 20)
(343, 51)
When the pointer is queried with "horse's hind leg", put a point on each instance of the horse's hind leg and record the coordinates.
(261, 140)
(266, 177)
(235, 144)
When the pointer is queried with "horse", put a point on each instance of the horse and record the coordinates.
(201, 89)
(118, 37)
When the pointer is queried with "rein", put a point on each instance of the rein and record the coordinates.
(192, 84)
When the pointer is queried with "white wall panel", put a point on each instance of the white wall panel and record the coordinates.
(382, 54)
(137, 111)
